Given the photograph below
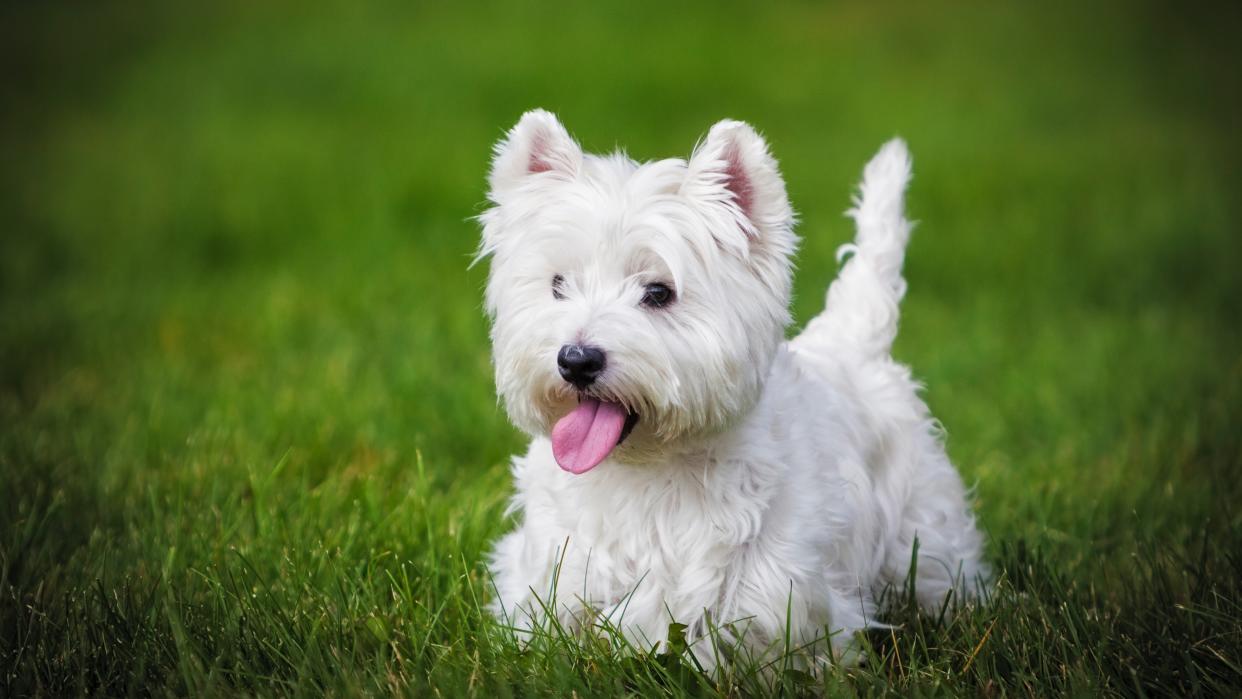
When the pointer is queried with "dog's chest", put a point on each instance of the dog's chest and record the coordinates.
(678, 534)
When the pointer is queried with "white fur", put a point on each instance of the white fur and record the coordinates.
(767, 483)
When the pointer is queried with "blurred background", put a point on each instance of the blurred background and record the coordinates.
(237, 311)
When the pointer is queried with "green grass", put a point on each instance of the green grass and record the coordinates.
(248, 436)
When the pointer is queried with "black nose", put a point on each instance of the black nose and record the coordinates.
(580, 365)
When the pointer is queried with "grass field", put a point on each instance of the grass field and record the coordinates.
(248, 436)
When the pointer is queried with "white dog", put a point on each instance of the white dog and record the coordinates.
(687, 463)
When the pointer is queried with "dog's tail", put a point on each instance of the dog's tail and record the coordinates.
(861, 313)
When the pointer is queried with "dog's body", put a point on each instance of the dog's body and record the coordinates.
(759, 487)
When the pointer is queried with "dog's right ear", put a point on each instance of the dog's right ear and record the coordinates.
(538, 145)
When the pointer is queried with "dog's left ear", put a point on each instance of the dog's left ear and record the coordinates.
(733, 168)
(538, 144)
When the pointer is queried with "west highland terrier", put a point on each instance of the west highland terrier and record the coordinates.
(687, 463)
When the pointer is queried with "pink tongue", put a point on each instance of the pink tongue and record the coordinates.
(586, 436)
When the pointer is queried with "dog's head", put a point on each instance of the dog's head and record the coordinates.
(633, 302)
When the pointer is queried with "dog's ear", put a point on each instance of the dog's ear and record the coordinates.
(537, 144)
(732, 167)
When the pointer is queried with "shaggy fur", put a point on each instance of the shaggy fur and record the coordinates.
(767, 483)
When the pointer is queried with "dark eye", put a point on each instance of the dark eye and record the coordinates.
(558, 282)
(657, 295)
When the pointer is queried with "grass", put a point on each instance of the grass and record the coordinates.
(248, 437)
